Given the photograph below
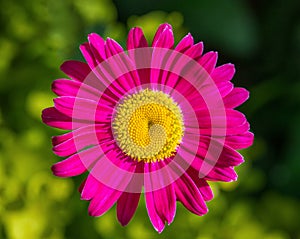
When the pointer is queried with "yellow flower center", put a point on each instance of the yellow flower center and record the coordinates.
(148, 126)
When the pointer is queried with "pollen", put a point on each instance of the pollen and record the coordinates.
(148, 126)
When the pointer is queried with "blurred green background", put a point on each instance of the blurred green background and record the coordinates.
(262, 38)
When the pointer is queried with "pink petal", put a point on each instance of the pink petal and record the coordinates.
(166, 203)
(108, 73)
(103, 200)
(218, 119)
(208, 61)
(236, 97)
(72, 142)
(64, 87)
(86, 51)
(196, 88)
(155, 219)
(173, 81)
(112, 47)
(208, 150)
(101, 131)
(54, 118)
(164, 198)
(160, 203)
(160, 31)
(223, 73)
(195, 51)
(136, 39)
(162, 63)
(76, 70)
(234, 117)
(239, 129)
(186, 89)
(76, 164)
(121, 68)
(229, 157)
(221, 129)
(61, 138)
(240, 141)
(165, 40)
(90, 187)
(205, 190)
(189, 195)
(97, 47)
(185, 43)
(83, 109)
(117, 182)
(202, 185)
(225, 87)
(226, 174)
(126, 207)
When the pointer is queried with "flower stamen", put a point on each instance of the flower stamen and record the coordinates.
(148, 126)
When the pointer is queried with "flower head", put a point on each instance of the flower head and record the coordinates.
(156, 118)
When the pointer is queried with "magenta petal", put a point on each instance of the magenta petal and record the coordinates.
(234, 117)
(189, 195)
(112, 47)
(185, 43)
(202, 185)
(240, 141)
(64, 87)
(155, 219)
(69, 167)
(164, 198)
(166, 39)
(207, 148)
(97, 47)
(79, 139)
(90, 187)
(195, 51)
(223, 73)
(225, 87)
(160, 31)
(68, 104)
(205, 190)
(126, 207)
(122, 67)
(226, 174)
(219, 119)
(83, 109)
(208, 61)
(166, 203)
(136, 39)
(61, 138)
(76, 164)
(103, 200)
(76, 70)
(230, 157)
(161, 204)
(88, 55)
(92, 133)
(236, 97)
(71, 146)
(54, 118)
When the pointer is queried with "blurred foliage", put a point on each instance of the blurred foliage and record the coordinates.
(262, 38)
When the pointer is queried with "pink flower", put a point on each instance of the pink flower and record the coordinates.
(155, 118)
